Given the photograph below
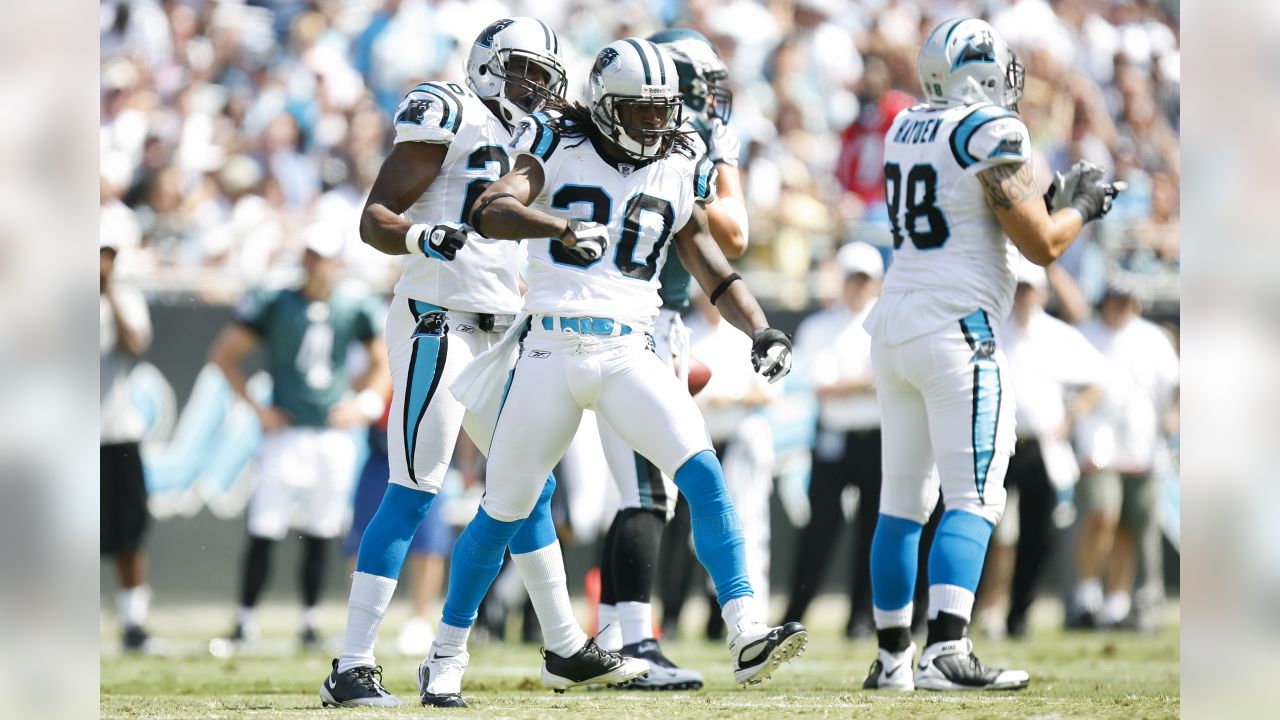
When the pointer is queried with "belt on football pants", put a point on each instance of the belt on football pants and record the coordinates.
(489, 322)
(585, 325)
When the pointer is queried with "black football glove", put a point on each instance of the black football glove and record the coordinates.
(1082, 188)
(585, 239)
(1063, 187)
(771, 353)
(443, 241)
(1094, 201)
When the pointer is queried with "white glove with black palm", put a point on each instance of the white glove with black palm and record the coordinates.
(725, 146)
(585, 239)
(771, 353)
(441, 242)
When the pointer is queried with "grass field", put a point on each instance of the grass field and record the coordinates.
(1097, 675)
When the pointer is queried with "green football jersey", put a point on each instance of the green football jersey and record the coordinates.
(306, 345)
(675, 284)
(674, 276)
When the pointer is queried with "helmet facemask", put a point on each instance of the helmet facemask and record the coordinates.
(529, 82)
(642, 128)
(718, 89)
(1015, 77)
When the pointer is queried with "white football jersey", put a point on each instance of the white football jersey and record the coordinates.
(483, 277)
(951, 256)
(643, 205)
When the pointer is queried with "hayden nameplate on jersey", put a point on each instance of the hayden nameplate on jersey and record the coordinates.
(483, 276)
(643, 204)
(951, 256)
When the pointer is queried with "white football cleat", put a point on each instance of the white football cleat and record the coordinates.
(440, 676)
(952, 666)
(892, 671)
(758, 650)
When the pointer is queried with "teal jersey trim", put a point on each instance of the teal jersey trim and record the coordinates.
(966, 128)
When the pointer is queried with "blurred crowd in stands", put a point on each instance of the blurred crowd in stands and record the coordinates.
(229, 128)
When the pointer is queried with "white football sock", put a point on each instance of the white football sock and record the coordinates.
(1116, 607)
(739, 614)
(899, 618)
(609, 634)
(950, 599)
(636, 619)
(544, 578)
(370, 596)
(132, 604)
(454, 638)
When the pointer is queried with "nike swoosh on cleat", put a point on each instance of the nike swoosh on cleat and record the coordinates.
(329, 683)
(896, 668)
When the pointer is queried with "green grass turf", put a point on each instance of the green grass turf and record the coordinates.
(1094, 675)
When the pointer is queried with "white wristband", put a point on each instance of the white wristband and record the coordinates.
(371, 404)
(411, 238)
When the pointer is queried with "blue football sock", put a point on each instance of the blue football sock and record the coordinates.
(894, 549)
(538, 530)
(959, 550)
(385, 542)
(477, 558)
(717, 532)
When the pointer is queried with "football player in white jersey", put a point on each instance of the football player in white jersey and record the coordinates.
(459, 293)
(629, 557)
(959, 186)
(603, 193)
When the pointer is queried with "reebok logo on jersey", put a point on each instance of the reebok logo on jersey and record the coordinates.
(466, 329)
(539, 354)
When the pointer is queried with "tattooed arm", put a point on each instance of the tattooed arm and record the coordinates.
(1013, 194)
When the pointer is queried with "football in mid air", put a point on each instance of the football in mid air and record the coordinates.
(699, 376)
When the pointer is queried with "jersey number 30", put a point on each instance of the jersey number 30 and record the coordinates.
(921, 198)
(601, 210)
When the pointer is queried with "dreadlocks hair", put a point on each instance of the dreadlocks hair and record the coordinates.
(573, 120)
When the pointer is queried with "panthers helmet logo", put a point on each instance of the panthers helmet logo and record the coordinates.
(606, 58)
(486, 37)
(978, 48)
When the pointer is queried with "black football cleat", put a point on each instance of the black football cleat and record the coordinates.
(589, 666)
(663, 674)
(357, 687)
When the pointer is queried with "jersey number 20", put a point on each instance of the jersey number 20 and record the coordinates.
(921, 201)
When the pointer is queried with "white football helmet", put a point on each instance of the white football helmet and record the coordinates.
(965, 61)
(516, 63)
(634, 93)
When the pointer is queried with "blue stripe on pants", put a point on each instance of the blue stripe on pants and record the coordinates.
(986, 394)
(426, 364)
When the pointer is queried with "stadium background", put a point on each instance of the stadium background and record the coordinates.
(228, 128)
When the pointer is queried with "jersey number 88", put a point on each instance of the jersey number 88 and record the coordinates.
(921, 198)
